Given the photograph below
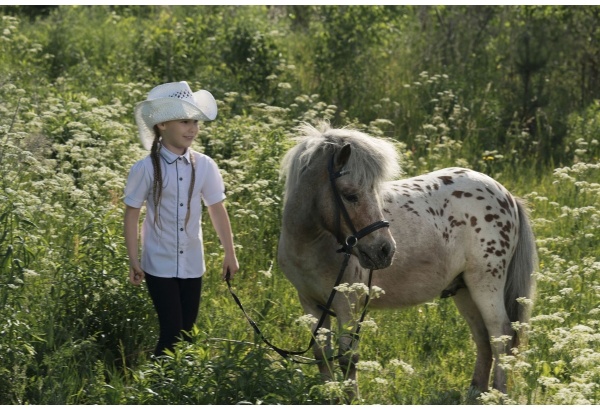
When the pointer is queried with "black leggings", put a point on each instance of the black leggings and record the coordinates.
(177, 302)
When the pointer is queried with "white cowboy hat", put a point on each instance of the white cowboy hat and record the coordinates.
(172, 101)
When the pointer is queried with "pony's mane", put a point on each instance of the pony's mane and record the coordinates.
(373, 160)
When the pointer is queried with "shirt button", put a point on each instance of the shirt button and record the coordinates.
(181, 229)
(180, 251)
(179, 158)
(181, 204)
(181, 179)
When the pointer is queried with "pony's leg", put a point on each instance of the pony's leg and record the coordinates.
(490, 302)
(323, 351)
(322, 348)
(348, 349)
(350, 356)
(483, 365)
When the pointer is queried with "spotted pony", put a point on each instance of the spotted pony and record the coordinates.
(452, 233)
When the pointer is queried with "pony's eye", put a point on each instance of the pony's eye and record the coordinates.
(351, 198)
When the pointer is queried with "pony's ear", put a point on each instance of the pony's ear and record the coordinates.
(342, 156)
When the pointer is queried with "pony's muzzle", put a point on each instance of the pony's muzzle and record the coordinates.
(378, 255)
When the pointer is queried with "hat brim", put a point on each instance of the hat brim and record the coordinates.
(151, 112)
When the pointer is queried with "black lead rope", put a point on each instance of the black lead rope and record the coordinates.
(347, 246)
(326, 311)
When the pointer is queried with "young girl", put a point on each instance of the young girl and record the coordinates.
(172, 181)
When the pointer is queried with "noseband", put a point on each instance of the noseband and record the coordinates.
(347, 245)
(351, 240)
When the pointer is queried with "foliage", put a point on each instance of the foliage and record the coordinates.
(509, 91)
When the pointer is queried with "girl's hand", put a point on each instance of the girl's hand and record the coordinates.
(230, 267)
(136, 274)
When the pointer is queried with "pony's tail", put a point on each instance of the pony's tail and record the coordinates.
(520, 282)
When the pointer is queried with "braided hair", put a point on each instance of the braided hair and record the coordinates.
(158, 180)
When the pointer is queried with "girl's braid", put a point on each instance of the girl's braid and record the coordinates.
(158, 181)
(192, 184)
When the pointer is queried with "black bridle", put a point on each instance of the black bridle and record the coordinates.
(348, 245)
(351, 240)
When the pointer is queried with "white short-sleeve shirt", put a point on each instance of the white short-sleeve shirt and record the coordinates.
(169, 248)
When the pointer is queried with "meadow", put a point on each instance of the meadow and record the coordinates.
(74, 331)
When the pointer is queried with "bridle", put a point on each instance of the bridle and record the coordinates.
(348, 245)
(351, 240)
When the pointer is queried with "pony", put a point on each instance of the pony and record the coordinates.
(453, 232)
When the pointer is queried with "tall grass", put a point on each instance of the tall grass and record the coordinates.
(73, 331)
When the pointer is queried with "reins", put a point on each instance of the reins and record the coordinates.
(325, 309)
(352, 239)
(347, 246)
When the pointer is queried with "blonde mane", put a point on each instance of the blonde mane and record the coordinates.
(373, 160)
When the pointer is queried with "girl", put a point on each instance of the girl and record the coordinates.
(172, 180)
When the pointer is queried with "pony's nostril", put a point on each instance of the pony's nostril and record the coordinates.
(386, 249)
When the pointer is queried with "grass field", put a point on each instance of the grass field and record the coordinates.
(76, 332)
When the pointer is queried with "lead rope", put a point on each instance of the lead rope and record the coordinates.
(326, 311)
(347, 246)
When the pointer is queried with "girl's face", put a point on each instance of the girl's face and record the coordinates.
(178, 135)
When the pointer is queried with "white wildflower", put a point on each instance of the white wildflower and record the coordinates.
(548, 381)
(504, 339)
(342, 288)
(525, 301)
(306, 320)
(376, 292)
(495, 397)
(269, 272)
(381, 381)
(359, 288)
(405, 367)
(323, 335)
(333, 388)
(349, 383)
(369, 325)
(369, 366)
(30, 273)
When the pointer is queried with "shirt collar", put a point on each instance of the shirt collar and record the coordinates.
(171, 157)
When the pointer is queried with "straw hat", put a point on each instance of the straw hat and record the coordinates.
(172, 101)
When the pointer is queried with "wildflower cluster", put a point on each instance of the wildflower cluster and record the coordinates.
(563, 337)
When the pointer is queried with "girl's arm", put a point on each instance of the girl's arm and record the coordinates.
(130, 224)
(220, 220)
